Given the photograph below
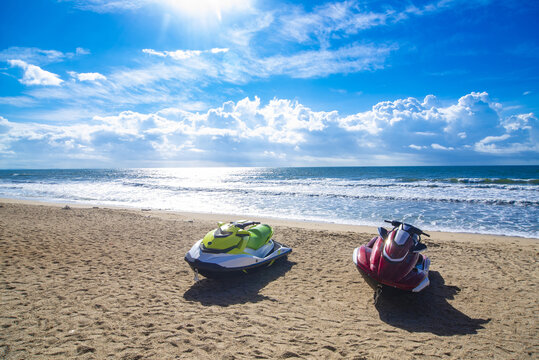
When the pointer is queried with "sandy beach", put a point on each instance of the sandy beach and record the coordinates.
(100, 283)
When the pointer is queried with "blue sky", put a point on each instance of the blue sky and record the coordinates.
(151, 83)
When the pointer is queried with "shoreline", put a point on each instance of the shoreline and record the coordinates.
(302, 224)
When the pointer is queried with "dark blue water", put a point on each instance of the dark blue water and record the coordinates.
(483, 199)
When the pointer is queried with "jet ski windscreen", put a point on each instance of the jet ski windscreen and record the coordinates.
(220, 232)
(401, 237)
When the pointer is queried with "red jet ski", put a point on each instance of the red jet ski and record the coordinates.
(393, 259)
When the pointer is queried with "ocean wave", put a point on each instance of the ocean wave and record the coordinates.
(501, 181)
(315, 184)
(379, 197)
(431, 199)
(408, 183)
(473, 181)
(525, 203)
(525, 197)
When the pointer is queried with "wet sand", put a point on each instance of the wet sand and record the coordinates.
(96, 283)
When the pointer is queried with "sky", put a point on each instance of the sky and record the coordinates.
(183, 83)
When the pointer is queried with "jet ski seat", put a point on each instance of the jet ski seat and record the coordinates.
(258, 236)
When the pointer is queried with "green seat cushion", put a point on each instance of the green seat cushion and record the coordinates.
(259, 235)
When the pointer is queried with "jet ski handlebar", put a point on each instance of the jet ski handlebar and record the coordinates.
(414, 229)
(243, 225)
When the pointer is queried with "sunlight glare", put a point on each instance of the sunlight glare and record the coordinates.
(206, 8)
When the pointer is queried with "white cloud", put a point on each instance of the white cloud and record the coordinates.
(425, 133)
(321, 63)
(161, 84)
(33, 55)
(337, 17)
(153, 52)
(441, 147)
(34, 75)
(519, 122)
(94, 76)
(69, 114)
(416, 119)
(39, 56)
(176, 55)
(105, 6)
(219, 50)
(82, 51)
(183, 54)
(5, 140)
(242, 34)
(492, 139)
(241, 67)
(18, 101)
(281, 130)
(523, 129)
(274, 155)
(335, 20)
(489, 145)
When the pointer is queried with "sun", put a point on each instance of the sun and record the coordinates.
(205, 9)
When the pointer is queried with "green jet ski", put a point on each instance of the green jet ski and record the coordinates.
(234, 248)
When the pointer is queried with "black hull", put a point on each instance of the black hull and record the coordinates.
(214, 271)
(220, 272)
(374, 284)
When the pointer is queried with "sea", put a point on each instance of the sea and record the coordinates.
(501, 200)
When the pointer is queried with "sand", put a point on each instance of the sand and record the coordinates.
(96, 283)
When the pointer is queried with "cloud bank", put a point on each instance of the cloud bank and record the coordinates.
(283, 132)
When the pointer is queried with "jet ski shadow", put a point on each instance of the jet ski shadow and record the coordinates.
(427, 311)
(239, 289)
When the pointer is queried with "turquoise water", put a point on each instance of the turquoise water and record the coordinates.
(483, 199)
